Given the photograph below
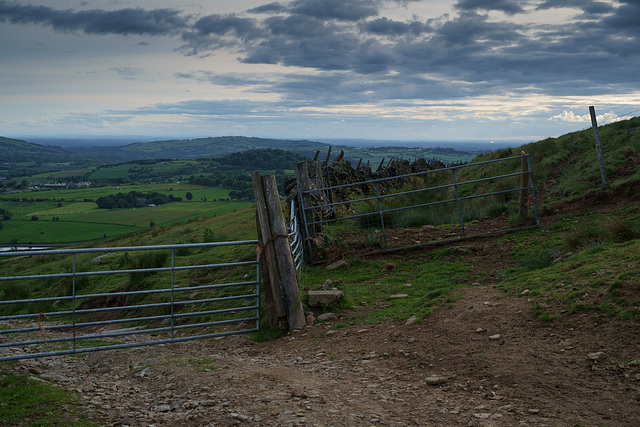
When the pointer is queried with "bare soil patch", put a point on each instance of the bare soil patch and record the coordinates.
(484, 362)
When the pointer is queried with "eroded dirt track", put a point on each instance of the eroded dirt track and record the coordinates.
(484, 362)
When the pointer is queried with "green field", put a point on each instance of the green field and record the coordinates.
(60, 175)
(177, 189)
(84, 221)
(68, 218)
(33, 232)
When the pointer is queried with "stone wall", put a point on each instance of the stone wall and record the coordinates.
(340, 172)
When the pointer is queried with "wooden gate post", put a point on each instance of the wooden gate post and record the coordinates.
(284, 288)
(284, 258)
(276, 314)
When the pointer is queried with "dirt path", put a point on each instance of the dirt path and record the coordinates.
(484, 362)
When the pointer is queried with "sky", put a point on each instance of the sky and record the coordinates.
(372, 69)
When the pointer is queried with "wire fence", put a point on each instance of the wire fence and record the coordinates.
(157, 295)
(421, 208)
(295, 237)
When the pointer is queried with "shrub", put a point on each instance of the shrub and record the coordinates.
(604, 231)
(621, 230)
(208, 236)
(538, 261)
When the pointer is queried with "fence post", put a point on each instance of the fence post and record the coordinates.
(460, 216)
(603, 171)
(284, 258)
(384, 231)
(276, 313)
(524, 184)
(303, 184)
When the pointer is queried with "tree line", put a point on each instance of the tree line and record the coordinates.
(134, 199)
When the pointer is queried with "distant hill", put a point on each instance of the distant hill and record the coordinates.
(20, 158)
(14, 150)
(197, 148)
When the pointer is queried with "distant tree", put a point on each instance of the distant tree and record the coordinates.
(106, 203)
(6, 215)
(34, 217)
(152, 224)
(1, 226)
(189, 196)
(247, 194)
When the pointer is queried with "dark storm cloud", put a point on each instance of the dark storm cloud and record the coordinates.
(605, 31)
(296, 27)
(588, 6)
(626, 18)
(510, 7)
(123, 21)
(388, 27)
(353, 10)
(214, 32)
(469, 48)
(222, 25)
(367, 56)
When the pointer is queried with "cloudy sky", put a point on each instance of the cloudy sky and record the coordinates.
(377, 69)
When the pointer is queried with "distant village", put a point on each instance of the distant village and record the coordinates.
(40, 185)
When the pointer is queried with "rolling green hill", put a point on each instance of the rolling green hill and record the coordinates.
(24, 159)
(14, 151)
(197, 148)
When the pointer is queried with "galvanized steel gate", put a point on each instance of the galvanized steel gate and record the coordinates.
(367, 208)
(185, 302)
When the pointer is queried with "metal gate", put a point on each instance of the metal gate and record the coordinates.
(417, 209)
(126, 297)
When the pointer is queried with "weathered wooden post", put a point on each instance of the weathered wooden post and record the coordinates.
(524, 185)
(284, 289)
(276, 314)
(284, 258)
(603, 171)
(304, 184)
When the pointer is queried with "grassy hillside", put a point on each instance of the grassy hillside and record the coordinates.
(20, 151)
(581, 259)
(567, 168)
